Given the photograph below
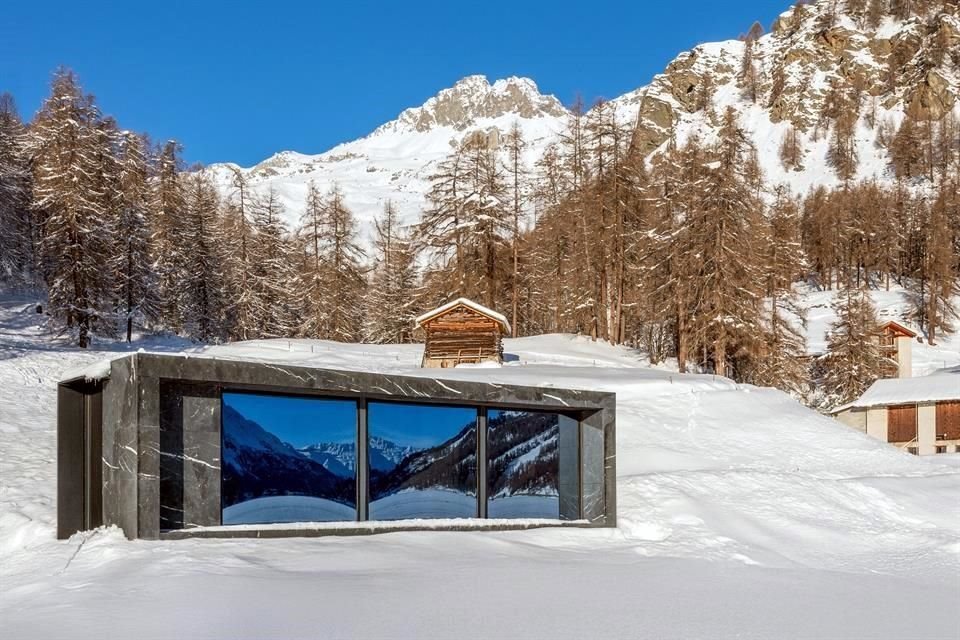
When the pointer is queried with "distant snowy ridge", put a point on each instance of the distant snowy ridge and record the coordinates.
(340, 458)
(796, 64)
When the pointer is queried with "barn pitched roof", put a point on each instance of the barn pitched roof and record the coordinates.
(470, 304)
(896, 327)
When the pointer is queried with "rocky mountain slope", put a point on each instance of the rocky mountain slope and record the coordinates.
(395, 161)
(884, 64)
(341, 458)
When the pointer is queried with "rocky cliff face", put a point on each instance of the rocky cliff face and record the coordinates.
(892, 65)
(473, 99)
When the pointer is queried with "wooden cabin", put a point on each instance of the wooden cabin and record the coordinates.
(462, 331)
(896, 344)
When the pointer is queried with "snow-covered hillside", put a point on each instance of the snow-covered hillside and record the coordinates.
(396, 160)
(796, 66)
(741, 514)
(891, 305)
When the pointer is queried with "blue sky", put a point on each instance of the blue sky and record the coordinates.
(297, 420)
(302, 421)
(241, 80)
(417, 425)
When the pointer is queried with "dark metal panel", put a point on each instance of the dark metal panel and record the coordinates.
(568, 471)
(120, 444)
(93, 456)
(70, 461)
(608, 419)
(148, 459)
(279, 378)
(190, 451)
(171, 460)
(592, 472)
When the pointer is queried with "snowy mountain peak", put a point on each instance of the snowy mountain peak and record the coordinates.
(818, 62)
(474, 98)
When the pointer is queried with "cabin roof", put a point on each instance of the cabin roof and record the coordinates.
(939, 387)
(470, 304)
(898, 328)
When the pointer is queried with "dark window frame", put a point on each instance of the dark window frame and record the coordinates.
(362, 399)
(222, 390)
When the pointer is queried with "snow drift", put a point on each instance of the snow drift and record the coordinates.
(742, 514)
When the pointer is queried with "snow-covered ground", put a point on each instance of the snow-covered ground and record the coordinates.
(287, 509)
(741, 514)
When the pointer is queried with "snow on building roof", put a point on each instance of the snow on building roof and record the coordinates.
(934, 388)
(479, 308)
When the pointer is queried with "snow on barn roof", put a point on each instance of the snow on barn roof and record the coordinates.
(479, 308)
(893, 391)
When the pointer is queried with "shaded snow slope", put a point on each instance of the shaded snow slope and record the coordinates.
(741, 514)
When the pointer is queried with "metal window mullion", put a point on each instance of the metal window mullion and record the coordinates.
(580, 467)
(362, 462)
(481, 471)
(87, 453)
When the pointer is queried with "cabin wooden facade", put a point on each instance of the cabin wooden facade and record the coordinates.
(462, 331)
(896, 344)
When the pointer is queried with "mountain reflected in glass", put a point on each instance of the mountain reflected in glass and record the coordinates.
(288, 459)
(523, 467)
(422, 461)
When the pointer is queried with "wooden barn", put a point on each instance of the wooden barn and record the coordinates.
(462, 331)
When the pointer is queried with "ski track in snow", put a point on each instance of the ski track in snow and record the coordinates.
(741, 514)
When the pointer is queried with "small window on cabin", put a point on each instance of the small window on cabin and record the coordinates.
(941, 449)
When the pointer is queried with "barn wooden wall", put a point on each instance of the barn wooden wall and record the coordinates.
(462, 335)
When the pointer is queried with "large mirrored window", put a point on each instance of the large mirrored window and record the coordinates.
(288, 459)
(422, 461)
(523, 468)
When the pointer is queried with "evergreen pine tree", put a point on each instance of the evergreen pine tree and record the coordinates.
(853, 360)
(202, 304)
(345, 278)
(238, 260)
(168, 212)
(390, 300)
(780, 362)
(133, 272)
(75, 242)
(17, 259)
(272, 275)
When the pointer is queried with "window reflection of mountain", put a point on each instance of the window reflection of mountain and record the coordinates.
(449, 465)
(258, 464)
(522, 448)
